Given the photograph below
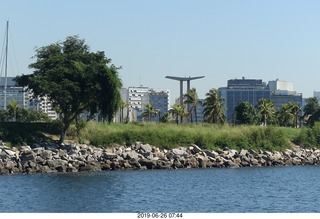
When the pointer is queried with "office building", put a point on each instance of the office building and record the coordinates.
(237, 90)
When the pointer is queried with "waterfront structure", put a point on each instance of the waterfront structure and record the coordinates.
(237, 90)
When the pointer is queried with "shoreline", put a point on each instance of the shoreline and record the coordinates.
(81, 157)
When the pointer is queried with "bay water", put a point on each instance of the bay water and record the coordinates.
(292, 189)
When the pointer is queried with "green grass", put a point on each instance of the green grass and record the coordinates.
(206, 136)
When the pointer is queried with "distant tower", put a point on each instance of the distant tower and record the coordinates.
(182, 79)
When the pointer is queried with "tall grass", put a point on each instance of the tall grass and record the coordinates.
(206, 136)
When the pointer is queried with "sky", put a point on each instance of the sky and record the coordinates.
(221, 40)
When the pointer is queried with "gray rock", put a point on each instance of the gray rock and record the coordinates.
(38, 150)
(159, 155)
(243, 152)
(46, 154)
(27, 155)
(109, 156)
(57, 164)
(63, 153)
(179, 151)
(148, 163)
(146, 147)
(211, 153)
(196, 148)
(10, 153)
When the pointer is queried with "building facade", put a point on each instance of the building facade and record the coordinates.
(13, 92)
(282, 92)
(237, 90)
(137, 99)
(24, 98)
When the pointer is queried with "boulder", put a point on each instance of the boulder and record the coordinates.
(92, 167)
(211, 153)
(27, 155)
(146, 147)
(148, 163)
(160, 155)
(46, 155)
(232, 164)
(177, 164)
(243, 152)
(10, 153)
(109, 156)
(59, 164)
(179, 151)
(196, 148)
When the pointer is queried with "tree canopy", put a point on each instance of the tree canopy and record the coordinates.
(192, 99)
(245, 113)
(214, 108)
(75, 80)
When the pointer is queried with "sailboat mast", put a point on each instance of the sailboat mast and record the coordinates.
(6, 70)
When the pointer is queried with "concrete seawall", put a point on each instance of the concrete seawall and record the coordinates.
(80, 157)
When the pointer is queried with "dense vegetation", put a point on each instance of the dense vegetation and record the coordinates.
(207, 136)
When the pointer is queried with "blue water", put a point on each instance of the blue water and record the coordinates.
(260, 190)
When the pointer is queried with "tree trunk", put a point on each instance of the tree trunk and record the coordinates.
(64, 132)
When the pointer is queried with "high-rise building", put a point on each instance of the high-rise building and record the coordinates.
(237, 90)
(24, 98)
(139, 97)
(13, 92)
(282, 92)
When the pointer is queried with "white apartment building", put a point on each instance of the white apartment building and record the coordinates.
(24, 98)
(139, 97)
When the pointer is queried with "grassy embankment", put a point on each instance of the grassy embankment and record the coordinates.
(206, 136)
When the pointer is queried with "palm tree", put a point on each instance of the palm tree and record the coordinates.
(266, 110)
(122, 106)
(176, 111)
(192, 98)
(149, 111)
(214, 108)
(295, 110)
(285, 116)
(13, 105)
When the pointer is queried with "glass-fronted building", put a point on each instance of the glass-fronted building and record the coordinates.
(250, 90)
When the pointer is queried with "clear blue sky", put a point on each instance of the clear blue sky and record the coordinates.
(225, 39)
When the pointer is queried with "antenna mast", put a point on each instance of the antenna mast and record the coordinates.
(6, 70)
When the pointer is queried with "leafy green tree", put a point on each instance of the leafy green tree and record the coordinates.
(75, 80)
(311, 110)
(29, 115)
(266, 111)
(4, 115)
(177, 111)
(149, 112)
(192, 99)
(214, 108)
(245, 113)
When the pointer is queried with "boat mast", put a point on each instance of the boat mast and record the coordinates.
(6, 70)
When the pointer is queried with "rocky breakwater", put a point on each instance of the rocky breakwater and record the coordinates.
(80, 157)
